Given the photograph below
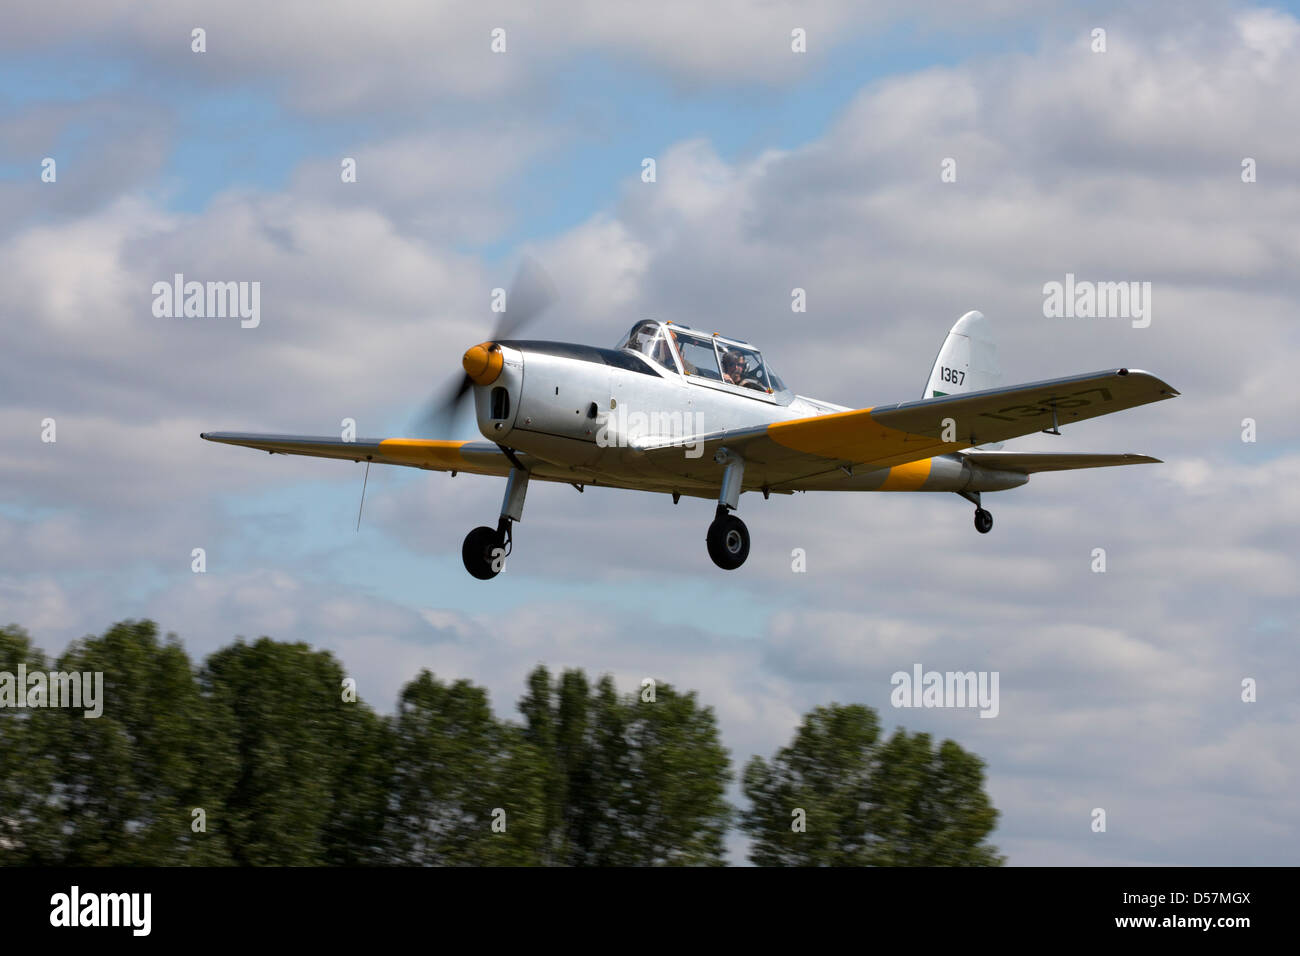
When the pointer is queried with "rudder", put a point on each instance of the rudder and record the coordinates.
(968, 361)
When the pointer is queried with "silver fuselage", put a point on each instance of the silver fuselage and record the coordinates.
(594, 412)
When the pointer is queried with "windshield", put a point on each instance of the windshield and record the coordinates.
(699, 358)
(648, 339)
(675, 347)
(743, 367)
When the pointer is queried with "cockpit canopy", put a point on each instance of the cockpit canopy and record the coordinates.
(707, 359)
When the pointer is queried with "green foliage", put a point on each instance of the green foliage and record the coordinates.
(457, 772)
(541, 732)
(354, 830)
(864, 803)
(628, 782)
(826, 773)
(288, 772)
(134, 775)
(929, 807)
(30, 746)
(300, 747)
(120, 788)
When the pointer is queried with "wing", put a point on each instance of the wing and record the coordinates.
(475, 457)
(892, 436)
(997, 414)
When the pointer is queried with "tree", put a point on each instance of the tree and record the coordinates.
(678, 814)
(119, 788)
(467, 789)
(289, 768)
(628, 782)
(808, 805)
(130, 779)
(354, 832)
(838, 797)
(542, 732)
(30, 831)
(929, 807)
(309, 785)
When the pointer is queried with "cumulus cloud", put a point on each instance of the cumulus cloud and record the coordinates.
(335, 58)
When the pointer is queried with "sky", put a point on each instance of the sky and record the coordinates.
(1120, 690)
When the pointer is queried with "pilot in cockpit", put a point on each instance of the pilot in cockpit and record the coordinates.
(733, 371)
(733, 368)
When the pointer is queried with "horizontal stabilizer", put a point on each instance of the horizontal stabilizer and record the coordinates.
(1029, 464)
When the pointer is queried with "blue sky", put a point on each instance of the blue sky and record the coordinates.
(242, 134)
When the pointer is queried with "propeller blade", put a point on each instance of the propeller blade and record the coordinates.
(531, 293)
(434, 419)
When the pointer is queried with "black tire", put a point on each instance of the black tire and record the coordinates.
(728, 542)
(477, 550)
(983, 521)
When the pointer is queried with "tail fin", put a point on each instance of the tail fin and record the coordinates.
(968, 361)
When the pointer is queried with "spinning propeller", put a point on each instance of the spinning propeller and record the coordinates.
(531, 293)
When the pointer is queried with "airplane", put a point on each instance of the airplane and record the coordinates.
(678, 411)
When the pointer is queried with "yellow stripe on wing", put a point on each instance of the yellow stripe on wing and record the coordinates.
(856, 437)
(431, 453)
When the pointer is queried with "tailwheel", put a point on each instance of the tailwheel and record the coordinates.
(728, 541)
(983, 521)
(484, 552)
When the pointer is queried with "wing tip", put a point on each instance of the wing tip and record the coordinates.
(1169, 390)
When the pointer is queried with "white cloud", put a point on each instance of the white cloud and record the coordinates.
(404, 54)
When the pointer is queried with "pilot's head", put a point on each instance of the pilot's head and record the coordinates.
(733, 366)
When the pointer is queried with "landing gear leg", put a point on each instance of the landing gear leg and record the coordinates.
(485, 549)
(728, 538)
(983, 519)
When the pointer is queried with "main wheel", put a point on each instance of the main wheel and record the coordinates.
(983, 521)
(480, 552)
(728, 542)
